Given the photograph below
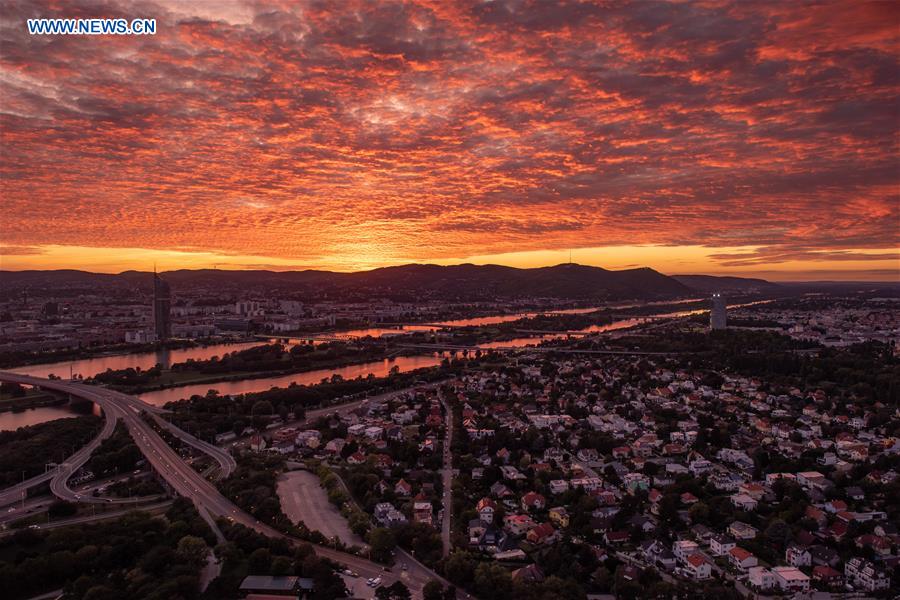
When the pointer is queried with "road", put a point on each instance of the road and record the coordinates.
(116, 406)
(101, 516)
(39, 504)
(186, 482)
(19, 491)
(447, 477)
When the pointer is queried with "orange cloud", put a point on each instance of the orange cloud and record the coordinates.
(365, 134)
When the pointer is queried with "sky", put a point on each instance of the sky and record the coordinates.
(739, 138)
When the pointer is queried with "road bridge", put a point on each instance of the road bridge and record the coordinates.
(116, 406)
(185, 481)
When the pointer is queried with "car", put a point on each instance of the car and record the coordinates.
(370, 581)
(403, 566)
(376, 582)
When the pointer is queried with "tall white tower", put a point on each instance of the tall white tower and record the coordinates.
(718, 314)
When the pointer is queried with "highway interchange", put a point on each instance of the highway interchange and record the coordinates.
(182, 479)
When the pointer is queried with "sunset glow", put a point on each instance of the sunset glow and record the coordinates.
(713, 137)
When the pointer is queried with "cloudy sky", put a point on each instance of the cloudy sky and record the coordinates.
(717, 137)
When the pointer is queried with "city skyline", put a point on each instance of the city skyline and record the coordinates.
(723, 138)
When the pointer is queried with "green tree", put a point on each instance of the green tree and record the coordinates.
(192, 550)
(460, 569)
(699, 513)
(395, 591)
(282, 565)
(433, 590)
(382, 541)
(260, 561)
(492, 580)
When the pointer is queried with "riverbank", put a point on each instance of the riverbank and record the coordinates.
(31, 399)
(178, 379)
(14, 360)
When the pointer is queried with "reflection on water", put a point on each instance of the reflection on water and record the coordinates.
(376, 368)
(13, 420)
(88, 367)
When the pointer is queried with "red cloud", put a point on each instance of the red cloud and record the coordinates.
(415, 130)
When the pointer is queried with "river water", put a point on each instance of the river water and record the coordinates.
(377, 368)
(91, 366)
(88, 367)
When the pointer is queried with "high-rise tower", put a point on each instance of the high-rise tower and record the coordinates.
(162, 308)
(718, 315)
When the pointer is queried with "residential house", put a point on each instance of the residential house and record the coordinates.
(697, 567)
(865, 575)
(790, 579)
(741, 559)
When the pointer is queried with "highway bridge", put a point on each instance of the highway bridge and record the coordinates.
(181, 477)
(116, 407)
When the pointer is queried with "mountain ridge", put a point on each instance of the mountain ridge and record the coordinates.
(465, 281)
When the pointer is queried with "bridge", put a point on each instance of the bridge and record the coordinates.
(116, 407)
(180, 476)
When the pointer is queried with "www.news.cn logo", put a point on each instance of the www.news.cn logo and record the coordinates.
(92, 27)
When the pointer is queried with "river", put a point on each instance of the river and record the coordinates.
(88, 367)
(377, 368)
(145, 360)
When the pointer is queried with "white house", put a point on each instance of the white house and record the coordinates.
(790, 579)
(684, 548)
(760, 578)
(719, 545)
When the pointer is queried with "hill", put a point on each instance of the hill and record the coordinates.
(708, 284)
(465, 282)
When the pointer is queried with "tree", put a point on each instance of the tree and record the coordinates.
(382, 542)
(260, 561)
(282, 565)
(460, 568)
(492, 580)
(699, 513)
(433, 590)
(395, 591)
(192, 550)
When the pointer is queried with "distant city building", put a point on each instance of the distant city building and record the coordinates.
(162, 308)
(248, 308)
(717, 316)
(140, 337)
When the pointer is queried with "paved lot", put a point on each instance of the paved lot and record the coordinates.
(302, 499)
(358, 588)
